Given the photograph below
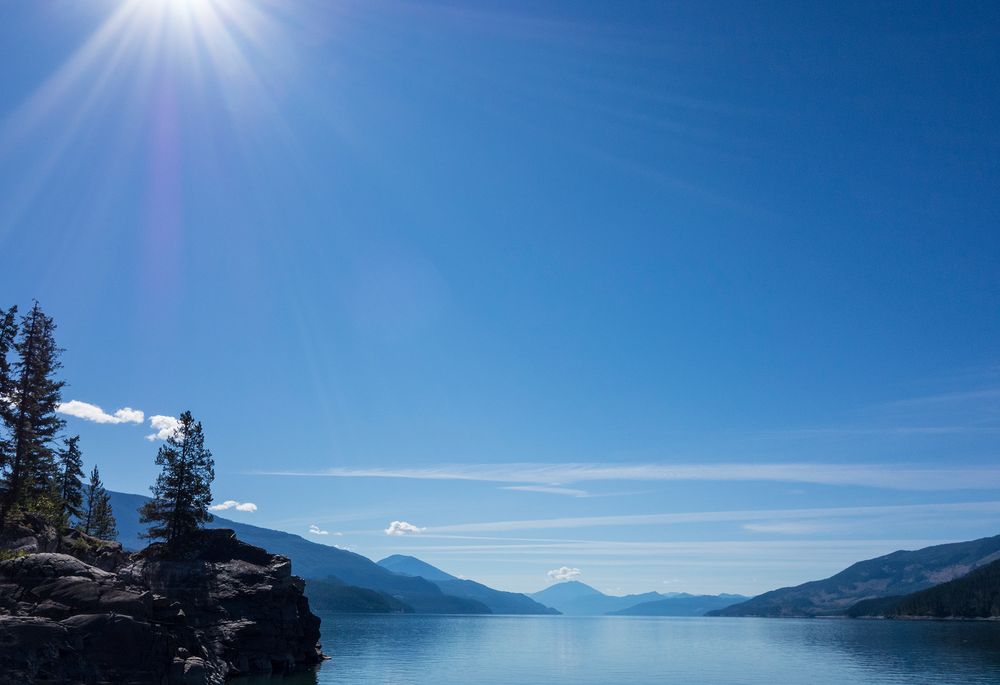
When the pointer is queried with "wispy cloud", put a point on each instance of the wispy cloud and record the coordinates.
(791, 528)
(91, 412)
(946, 398)
(889, 476)
(548, 489)
(403, 528)
(233, 504)
(898, 431)
(164, 427)
(776, 553)
(989, 507)
(564, 573)
(316, 530)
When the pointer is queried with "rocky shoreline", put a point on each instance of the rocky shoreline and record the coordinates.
(221, 609)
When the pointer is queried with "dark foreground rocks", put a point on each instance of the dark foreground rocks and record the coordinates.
(220, 609)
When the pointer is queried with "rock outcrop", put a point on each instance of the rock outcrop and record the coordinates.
(32, 535)
(222, 608)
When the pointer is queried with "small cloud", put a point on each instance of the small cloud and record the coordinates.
(233, 504)
(564, 573)
(91, 412)
(164, 426)
(548, 489)
(315, 530)
(403, 528)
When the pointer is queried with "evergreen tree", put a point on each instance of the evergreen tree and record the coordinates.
(33, 422)
(182, 491)
(97, 519)
(8, 334)
(71, 480)
(104, 525)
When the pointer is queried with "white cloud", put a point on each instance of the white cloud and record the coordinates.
(315, 530)
(91, 412)
(164, 426)
(548, 489)
(564, 573)
(890, 476)
(403, 528)
(233, 504)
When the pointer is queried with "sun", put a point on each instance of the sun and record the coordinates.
(158, 65)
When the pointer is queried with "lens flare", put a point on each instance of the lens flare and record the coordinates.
(144, 81)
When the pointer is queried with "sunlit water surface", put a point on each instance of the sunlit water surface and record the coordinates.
(555, 650)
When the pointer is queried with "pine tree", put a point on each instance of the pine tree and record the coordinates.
(34, 423)
(104, 525)
(71, 480)
(8, 334)
(97, 519)
(182, 491)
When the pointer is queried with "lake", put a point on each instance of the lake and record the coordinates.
(556, 650)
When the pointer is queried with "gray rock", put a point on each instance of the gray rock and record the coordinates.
(222, 608)
(195, 672)
(31, 648)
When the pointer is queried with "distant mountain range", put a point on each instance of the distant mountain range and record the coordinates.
(574, 598)
(411, 566)
(957, 580)
(681, 605)
(498, 601)
(340, 580)
(892, 575)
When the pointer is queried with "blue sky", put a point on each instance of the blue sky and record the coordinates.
(694, 296)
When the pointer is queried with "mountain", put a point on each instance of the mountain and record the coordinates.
(975, 595)
(411, 566)
(335, 595)
(498, 601)
(567, 591)
(574, 598)
(691, 605)
(899, 573)
(311, 560)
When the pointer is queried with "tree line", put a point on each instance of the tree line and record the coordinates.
(41, 471)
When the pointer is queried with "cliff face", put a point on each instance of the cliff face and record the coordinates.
(224, 608)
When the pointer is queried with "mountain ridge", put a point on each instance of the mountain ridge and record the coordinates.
(899, 573)
(975, 595)
(691, 605)
(344, 580)
(312, 561)
(499, 601)
(412, 566)
(575, 598)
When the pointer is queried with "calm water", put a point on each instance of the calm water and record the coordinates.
(556, 650)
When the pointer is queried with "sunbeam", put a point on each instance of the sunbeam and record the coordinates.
(147, 61)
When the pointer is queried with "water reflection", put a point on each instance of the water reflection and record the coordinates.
(449, 650)
(903, 647)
